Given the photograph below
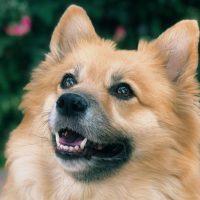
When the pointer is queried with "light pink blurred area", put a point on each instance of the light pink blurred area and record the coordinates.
(20, 29)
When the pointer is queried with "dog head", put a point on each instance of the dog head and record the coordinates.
(110, 108)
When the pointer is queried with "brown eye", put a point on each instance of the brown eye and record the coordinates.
(122, 91)
(68, 81)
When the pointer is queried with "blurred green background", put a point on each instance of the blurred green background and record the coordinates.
(26, 27)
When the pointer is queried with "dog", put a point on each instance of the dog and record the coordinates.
(101, 123)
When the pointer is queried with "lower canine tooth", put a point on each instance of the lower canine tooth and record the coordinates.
(83, 143)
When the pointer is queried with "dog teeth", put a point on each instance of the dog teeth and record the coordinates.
(71, 149)
(82, 145)
(77, 148)
(64, 134)
(57, 138)
(66, 148)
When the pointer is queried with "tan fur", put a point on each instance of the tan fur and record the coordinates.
(163, 120)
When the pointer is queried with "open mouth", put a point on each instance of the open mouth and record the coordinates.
(89, 160)
(70, 144)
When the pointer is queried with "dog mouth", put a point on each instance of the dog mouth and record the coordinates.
(88, 160)
(70, 144)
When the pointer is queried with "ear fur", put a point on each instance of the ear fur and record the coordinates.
(73, 27)
(179, 44)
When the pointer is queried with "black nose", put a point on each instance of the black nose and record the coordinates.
(71, 105)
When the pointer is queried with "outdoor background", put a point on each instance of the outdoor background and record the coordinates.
(26, 27)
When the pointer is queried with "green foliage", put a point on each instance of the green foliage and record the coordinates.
(19, 55)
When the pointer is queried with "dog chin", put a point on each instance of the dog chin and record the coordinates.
(72, 166)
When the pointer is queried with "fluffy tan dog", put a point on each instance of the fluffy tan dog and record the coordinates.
(101, 123)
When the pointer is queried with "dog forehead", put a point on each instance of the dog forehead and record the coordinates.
(102, 63)
(105, 59)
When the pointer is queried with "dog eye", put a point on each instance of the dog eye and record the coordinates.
(68, 81)
(122, 91)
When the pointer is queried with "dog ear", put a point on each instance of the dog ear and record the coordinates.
(73, 27)
(179, 44)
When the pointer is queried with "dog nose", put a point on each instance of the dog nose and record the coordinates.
(71, 105)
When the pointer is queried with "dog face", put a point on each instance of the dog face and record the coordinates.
(109, 109)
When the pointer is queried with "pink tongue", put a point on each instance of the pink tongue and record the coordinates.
(72, 139)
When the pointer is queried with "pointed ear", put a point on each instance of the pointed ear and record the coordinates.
(179, 44)
(73, 27)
